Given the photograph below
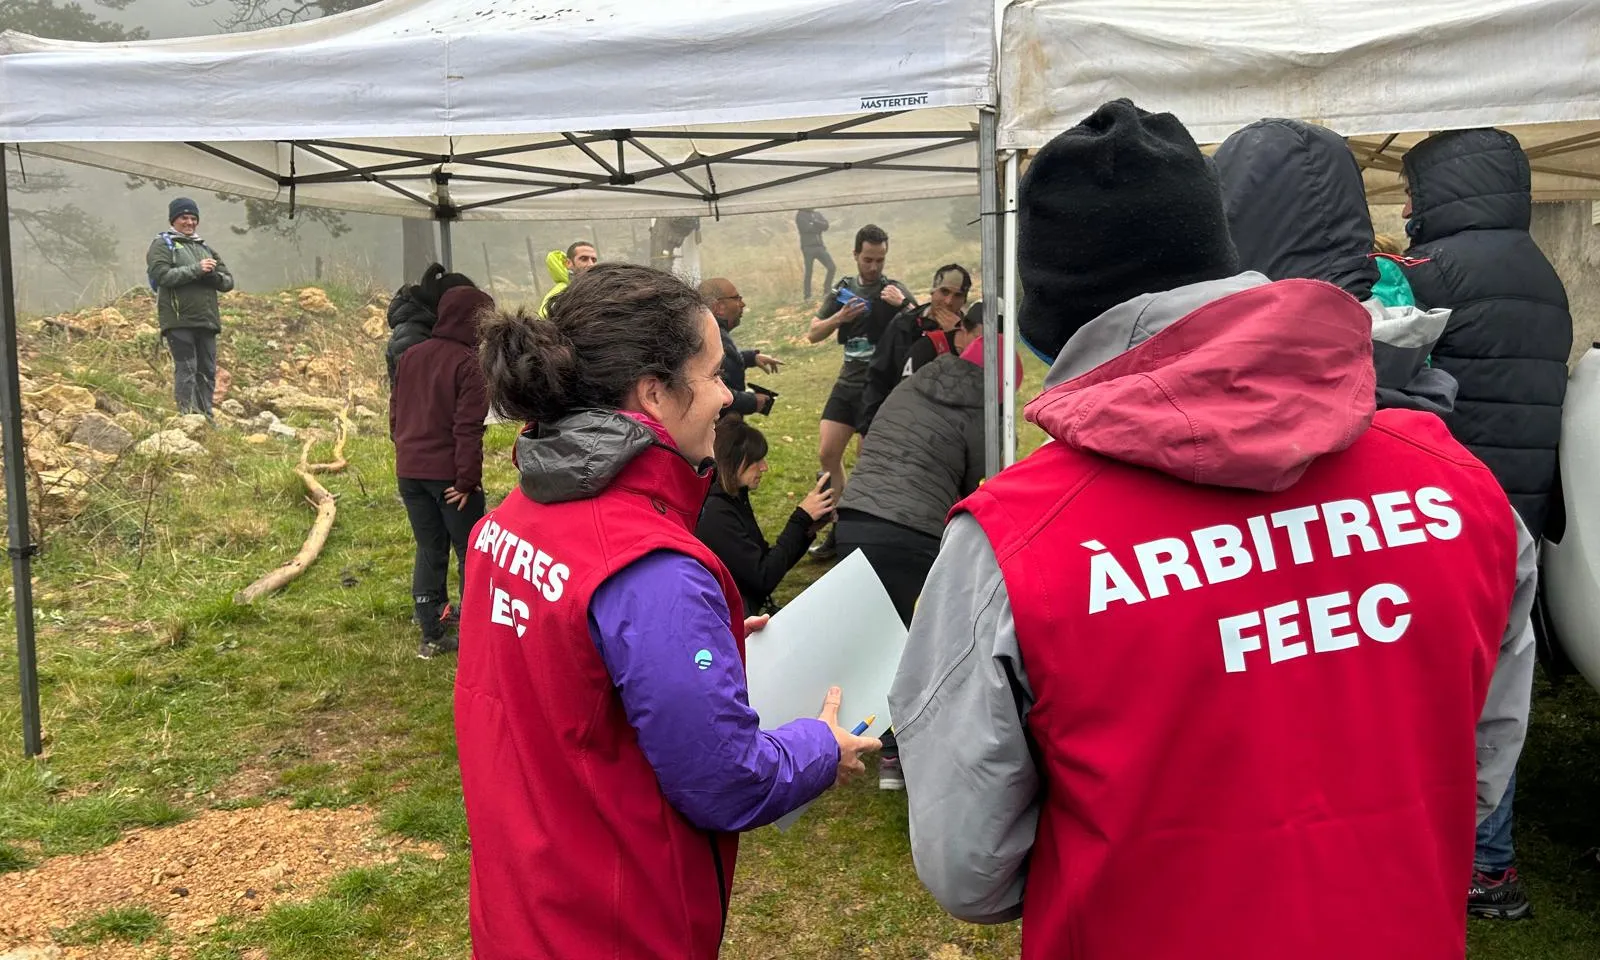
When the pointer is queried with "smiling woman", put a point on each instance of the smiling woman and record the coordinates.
(605, 726)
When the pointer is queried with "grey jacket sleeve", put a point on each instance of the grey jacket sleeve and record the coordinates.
(1504, 722)
(959, 703)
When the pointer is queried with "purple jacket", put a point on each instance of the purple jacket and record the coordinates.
(660, 625)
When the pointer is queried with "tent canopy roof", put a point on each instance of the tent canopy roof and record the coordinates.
(1368, 69)
(505, 109)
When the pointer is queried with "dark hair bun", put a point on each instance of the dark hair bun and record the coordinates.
(612, 327)
(529, 365)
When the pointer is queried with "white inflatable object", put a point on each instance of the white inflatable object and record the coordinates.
(1571, 568)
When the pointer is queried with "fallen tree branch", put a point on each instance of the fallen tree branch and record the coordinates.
(326, 507)
(338, 463)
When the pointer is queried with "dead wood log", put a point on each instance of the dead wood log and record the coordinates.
(327, 509)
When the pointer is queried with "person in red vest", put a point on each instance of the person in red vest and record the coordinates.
(609, 753)
(1219, 670)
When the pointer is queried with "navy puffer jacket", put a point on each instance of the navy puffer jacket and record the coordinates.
(1510, 332)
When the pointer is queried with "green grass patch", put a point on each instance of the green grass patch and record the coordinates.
(127, 924)
(13, 859)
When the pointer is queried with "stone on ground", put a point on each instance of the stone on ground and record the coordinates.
(170, 443)
(99, 432)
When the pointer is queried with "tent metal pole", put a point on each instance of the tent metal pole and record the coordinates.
(989, 227)
(1008, 366)
(446, 254)
(20, 541)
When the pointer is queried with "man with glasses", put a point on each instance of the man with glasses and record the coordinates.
(728, 307)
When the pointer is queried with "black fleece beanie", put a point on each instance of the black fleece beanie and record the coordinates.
(1123, 204)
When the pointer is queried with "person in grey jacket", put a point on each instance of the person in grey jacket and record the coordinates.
(924, 456)
(187, 275)
(983, 765)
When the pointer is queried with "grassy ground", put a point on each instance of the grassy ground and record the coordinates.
(163, 698)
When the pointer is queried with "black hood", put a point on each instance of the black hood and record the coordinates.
(1467, 180)
(409, 307)
(1296, 206)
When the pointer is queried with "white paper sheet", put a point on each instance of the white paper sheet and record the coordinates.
(842, 631)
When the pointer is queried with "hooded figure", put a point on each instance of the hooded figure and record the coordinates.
(436, 419)
(1209, 674)
(1510, 331)
(1297, 208)
(414, 309)
(560, 269)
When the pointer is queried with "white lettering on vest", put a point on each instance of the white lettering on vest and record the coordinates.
(1161, 559)
(1295, 522)
(1221, 552)
(507, 610)
(1280, 627)
(1327, 615)
(1368, 616)
(1235, 644)
(1328, 618)
(1108, 581)
(1393, 518)
(524, 561)
(1261, 536)
(1431, 504)
(1347, 520)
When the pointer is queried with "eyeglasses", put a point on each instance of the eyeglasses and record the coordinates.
(736, 296)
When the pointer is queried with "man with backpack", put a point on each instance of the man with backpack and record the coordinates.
(186, 275)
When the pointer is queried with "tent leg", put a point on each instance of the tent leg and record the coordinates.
(989, 224)
(20, 539)
(446, 254)
(1008, 365)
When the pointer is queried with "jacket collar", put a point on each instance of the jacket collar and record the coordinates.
(586, 453)
(1232, 383)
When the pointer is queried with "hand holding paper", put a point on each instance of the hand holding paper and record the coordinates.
(851, 747)
(841, 636)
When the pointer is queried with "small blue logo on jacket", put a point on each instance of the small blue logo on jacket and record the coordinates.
(702, 659)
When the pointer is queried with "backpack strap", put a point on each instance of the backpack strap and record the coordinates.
(942, 343)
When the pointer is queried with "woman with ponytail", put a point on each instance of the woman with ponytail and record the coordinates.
(609, 753)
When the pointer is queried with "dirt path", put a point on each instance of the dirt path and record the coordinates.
(235, 862)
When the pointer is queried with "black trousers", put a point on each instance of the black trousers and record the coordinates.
(813, 256)
(438, 527)
(194, 368)
(900, 556)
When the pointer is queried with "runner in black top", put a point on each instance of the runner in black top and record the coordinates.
(873, 301)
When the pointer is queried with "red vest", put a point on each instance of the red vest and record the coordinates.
(1255, 712)
(575, 852)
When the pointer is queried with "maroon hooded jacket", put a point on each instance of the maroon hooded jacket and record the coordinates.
(439, 401)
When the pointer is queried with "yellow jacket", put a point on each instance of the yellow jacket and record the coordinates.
(556, 262)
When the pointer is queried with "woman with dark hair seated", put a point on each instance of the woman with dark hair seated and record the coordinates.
(728, 523)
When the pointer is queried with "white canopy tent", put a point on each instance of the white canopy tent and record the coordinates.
(532, 109)
(1382, 73)
(518, 109)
